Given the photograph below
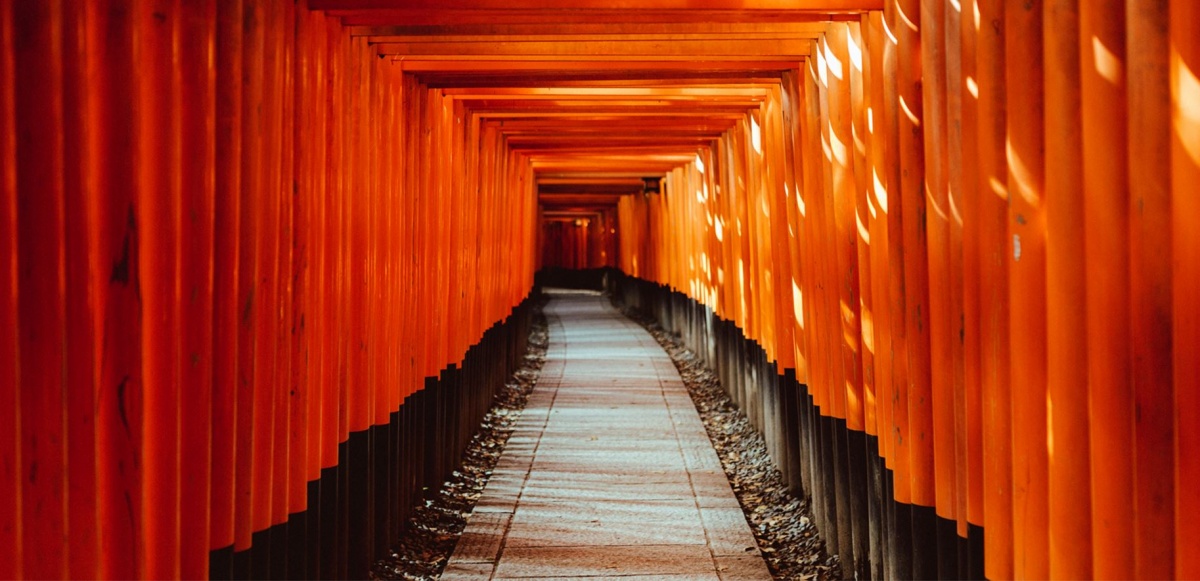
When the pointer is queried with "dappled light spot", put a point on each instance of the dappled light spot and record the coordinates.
(755, 136)
(1023, 176)
(908, 112)
(832, 63)
(856, 59)
(1107, 64)
(904, 17)
(1185, 94)
(863, 233)
(881, 193)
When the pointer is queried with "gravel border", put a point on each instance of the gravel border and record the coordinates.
(437, 522)
(781, 523)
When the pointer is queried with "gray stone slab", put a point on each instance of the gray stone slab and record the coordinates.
(467, 571)
(743, 568)
(482, 539)
(728, 533)
(602, 561)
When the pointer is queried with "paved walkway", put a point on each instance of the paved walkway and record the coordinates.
(609, 472)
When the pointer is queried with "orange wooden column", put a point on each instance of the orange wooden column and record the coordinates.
(303, 465)
(83, 540)
(1106, 232)
(895, 408)
(1184, 67)
(954, 328)
(334, 414)
(1027, 287)
(1150, 270)
(284, 190)
(196, 42)
(896, 123)
(798, 254)
(10, 431)
(841, 212)
(880, 79)
(40, 285)
(246, 512)
(269, 295)
(867, 215)
(158, 215)
(936, 309)
(119, 424)
(969, 198)
(227, 219)
(1066, 371)
(916, 264)
(994, 248)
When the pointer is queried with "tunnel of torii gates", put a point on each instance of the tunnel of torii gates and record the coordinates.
(265, 263)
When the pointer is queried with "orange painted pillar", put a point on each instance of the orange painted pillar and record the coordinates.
(887, 193)
(250, 297)
(333, 418)
(196, 41)
(1027, 287)
(119, 423)
(40, 286)
(83, 541)
(941, 320)
(302, 465)
(994, 248)
(1150, 270)
(1106, 233)
(333, 414)
(158, 215)
(969, 195)
(1069, 494)
(913, 182)
(268, 297)
(880, 82)
(226, 311)
(954, 328)
(1184, 68)
(841, 213)
(896, 121)
(10, 432)
(865, 216)
(283, 189)
(827, 240)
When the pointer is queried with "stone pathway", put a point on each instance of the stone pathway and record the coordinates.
(609, 472)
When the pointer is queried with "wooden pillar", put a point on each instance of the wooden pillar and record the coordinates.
(1066, 372)
(249, 213)
(83, 541)
(1150, 269)
(954, 328)
(937, 213)
(1106, 233)
(40, 285)
(994, 248)
(227, 219)
(197, 31)
(1027, 286)
(1184, 67)
(10, 430)
(969, 195)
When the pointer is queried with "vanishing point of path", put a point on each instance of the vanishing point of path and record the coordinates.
(609, 472)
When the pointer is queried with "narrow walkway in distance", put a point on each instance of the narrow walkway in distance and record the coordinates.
(609, 472)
